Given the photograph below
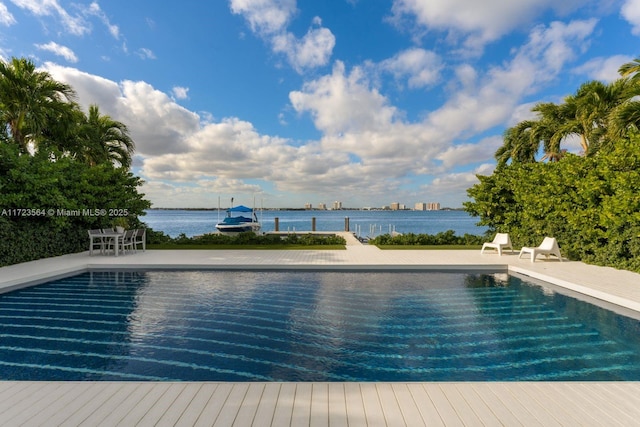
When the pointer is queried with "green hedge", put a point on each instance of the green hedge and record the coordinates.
(591, 205)
(248, 238)
(440, 239)
(37, 197)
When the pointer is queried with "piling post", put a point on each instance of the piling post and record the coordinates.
(313, 223)
(277, 224)
(346, 223)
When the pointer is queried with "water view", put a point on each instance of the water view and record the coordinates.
(362, 222)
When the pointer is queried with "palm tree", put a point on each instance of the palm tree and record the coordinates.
(102, 139)
(519, 144)
(631, 69)
(30, 101)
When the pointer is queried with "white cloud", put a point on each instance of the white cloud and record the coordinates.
(270, 19)
(342, 103)
(180, 92)
(313, 50)
(76, 25)
(631, 12)
(59, 50)
(367, 146)
(145, 53)
(477, 22)
(420, 67)
(603, 68)
(6, 18)
(95, 10)
(158, 125)
(265, 17)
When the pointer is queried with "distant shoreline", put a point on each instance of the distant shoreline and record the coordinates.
(304, 209)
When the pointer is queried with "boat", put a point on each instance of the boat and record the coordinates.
(236, 222)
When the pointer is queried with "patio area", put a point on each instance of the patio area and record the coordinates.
(322, 404)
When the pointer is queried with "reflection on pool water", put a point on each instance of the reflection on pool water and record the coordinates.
(309, 326)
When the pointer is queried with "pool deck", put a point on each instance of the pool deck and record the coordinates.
(328, 404)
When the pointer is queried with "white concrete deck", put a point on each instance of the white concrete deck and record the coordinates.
(342, 404)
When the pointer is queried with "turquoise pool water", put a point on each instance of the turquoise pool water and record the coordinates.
(309, 326)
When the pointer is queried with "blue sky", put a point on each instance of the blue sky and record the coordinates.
(289, 102)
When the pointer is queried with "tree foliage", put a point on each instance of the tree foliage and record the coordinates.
(61, 172)
(591, 205)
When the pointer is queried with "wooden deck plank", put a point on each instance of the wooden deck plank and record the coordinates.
(73, 397)
(301, 414)
(145, 403)
(284, 406)
(425, 405)
(267, 405)
(616, 405)
(497, 406)
(127, 405)
(410, 412)
(39, 398)
(230, 410)
(560, 406)
(461, 406)
(319, 405)
(19, 394)
(442, 404)
(337, 405)
(91, 404)
(479, 407)
(372, 407)
(215, 404)
(356, 415)
(392, 413)
(161, 405)
(247, 412)
(333, 404)
(180, 405)
(192, 412)
(518, 408)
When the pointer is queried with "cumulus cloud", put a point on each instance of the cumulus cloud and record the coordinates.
(269, 19)
(342, 103)
(75, 25)
(158, 125)
(180, 92)
(420, 67)
(603, 68)
(59, 50)
(477, 23)
(6, 18)
(631, 12)
(367, 145)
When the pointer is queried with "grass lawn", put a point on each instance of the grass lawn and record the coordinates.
(248, 247)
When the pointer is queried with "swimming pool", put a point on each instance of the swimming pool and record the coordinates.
(309, 326)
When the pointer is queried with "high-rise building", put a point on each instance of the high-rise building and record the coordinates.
(337, 205)
(308, 206)
(420, 206)
(322, 206)
(395, 206)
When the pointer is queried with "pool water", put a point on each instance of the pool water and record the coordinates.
(309, 326)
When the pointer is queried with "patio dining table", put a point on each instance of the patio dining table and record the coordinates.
(109, 234)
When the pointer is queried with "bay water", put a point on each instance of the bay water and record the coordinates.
(365, 223)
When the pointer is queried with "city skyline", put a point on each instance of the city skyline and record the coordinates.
(287, 101)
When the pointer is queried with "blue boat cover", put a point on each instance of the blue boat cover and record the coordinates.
(240, 208)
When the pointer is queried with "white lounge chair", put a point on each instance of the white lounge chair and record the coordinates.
(549, 246)
(501, 241)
